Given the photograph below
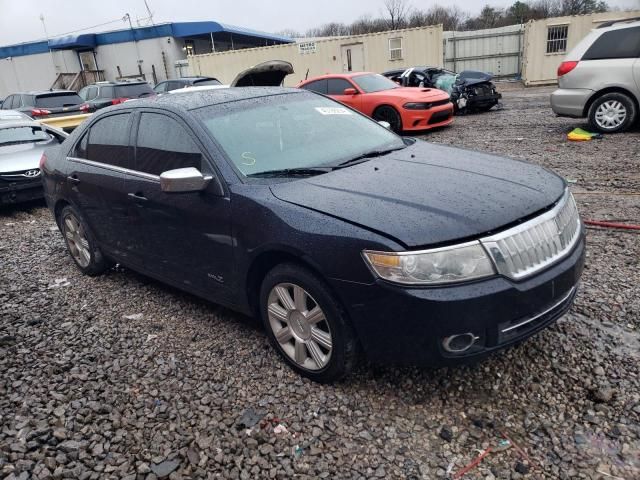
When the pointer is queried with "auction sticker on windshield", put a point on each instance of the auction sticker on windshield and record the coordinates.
(333, 111)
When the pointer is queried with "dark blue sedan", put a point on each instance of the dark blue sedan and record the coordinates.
(346, 239)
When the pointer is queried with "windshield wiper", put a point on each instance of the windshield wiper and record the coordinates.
(365, 156)
(291, 172)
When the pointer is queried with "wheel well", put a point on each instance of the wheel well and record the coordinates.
(262, 265)
(58, 209)
(385, 105)
(609, 90)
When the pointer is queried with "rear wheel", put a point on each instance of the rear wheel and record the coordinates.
(306, 325)
(612, 113)
(81, 243)
(390, 115)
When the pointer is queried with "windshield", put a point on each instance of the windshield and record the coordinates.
(12, 135)
(136, 90)
(58, 101)
(374, 83)
(293, 131)
(208, 81)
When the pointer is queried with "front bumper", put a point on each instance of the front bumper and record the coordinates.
(570, 102)
(416, 120)
(404, 325)
(20, 192)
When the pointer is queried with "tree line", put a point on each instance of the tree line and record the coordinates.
(398, 14)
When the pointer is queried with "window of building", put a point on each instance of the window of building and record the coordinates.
(557, 38)
(109, 141)
(623, 43)
(163, 144)
(395, 48)
(337, 86)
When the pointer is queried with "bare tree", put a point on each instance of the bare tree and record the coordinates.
(397, 12)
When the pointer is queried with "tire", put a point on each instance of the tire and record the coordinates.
(612, 113)
(389, 114)
(309, 329)
(81, 243)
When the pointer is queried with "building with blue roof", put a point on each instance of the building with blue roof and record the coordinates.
(155, 53)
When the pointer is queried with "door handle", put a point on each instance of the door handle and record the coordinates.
(73, 179)
(137, 197)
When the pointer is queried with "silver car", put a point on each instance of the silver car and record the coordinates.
(600, 78)
(22, 143)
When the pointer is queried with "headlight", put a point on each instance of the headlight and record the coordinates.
(417, 106)
(429, 267)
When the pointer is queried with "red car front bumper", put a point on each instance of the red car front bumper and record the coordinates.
(415, 120)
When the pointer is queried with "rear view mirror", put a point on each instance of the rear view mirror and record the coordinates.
(183, 180)
(386, 125)
(350, 91)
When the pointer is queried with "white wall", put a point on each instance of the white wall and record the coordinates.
(35, 72)
(421, 46)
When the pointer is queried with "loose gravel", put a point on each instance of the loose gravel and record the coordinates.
(120, 376)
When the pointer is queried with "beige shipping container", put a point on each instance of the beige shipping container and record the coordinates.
(546, 42)
(376, 52)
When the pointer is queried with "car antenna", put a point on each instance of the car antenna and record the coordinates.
(306, 77)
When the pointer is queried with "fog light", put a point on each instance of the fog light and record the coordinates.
(459, 343)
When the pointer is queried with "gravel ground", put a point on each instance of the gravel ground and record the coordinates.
(122, 377)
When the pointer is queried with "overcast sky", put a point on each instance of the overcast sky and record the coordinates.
(20, 22)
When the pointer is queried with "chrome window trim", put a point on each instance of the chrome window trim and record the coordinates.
(126, 171)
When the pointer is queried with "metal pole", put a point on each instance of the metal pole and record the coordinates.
(232, 47)
(46, 34)
(213, 45)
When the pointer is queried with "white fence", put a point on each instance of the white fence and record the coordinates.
(495, 50)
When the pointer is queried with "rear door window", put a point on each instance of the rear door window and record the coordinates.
(319, 86)
(623, 43)
(80, 149)
(58, 100)
(109, 141)
(337, 86)
(164, 144)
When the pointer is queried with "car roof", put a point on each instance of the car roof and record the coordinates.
(203, 98)
(619, 24)
(6, 115)
(15, 123)
(43, 92)
(107, 84)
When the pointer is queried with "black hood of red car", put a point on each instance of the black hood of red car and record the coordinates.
(427, 195)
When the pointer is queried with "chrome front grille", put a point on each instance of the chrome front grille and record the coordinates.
(528, 248)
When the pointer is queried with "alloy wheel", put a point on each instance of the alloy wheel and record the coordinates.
(610, 115)
(299, 326)
(76, 239)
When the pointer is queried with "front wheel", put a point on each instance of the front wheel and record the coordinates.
(306, 325)
(612, 113)
(389, 115)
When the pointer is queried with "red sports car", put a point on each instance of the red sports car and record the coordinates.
(404, 108)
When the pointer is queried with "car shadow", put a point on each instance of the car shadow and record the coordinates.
(10, 209)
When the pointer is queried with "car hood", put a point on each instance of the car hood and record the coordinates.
(266, 74)
(473, 77)
(412, 94)
(427, 195)
(24, 156)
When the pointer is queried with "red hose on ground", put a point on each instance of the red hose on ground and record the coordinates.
(622, 226)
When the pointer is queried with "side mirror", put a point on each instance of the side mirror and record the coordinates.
(183, 180)
(386, 125)
(350, 91)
